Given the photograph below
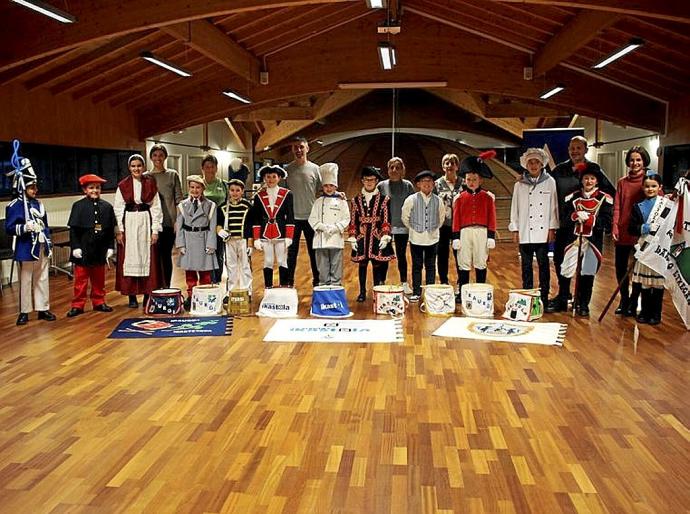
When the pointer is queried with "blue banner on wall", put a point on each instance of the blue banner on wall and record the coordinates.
(554, 141)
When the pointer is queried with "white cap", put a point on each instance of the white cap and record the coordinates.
(329, 173)
(534, 153)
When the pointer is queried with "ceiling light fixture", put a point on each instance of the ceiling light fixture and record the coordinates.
(387, 57)
(376, 4)
(553, 91)
(47, 10)
(633, 44)
(236, 96)
(148, 56)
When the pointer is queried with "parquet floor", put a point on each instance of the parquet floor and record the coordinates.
(234, 425)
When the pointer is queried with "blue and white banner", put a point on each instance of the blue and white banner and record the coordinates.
(335, 331)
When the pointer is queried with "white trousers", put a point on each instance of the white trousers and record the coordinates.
(275, 252)
(34, 284)
(237, 265)
(473, 252)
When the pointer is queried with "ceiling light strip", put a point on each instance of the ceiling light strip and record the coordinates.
(148, 56)
(47, 10)
(634, 44)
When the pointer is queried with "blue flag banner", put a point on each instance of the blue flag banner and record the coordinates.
(152, 328)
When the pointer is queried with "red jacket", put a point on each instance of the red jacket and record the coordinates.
(474, 208)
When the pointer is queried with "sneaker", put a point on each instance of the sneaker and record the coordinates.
(407, 290)
(414, 298)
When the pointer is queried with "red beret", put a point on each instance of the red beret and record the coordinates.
(90, 179)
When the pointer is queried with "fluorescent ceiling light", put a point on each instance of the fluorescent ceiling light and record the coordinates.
(632, 45)
(387, 56)
(553, 91)
(235, 96)
(47, 10)
(392, 85)
(376, 4)
(165, 64)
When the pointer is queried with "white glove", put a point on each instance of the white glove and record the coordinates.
(332, 229)
(582, 216)
(31, 226)
(490, 244)
(288, 242)
(258, 245)
(77, 253)
(223, 234)
(210, 251)
(183, 250)
(109, 254)
(250, 250)
(353, 243)
(384, 241)
(456, 244)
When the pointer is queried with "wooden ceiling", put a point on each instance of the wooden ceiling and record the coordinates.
(310, 48)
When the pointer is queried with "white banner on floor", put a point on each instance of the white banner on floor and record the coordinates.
(490, 330)
(335, 331)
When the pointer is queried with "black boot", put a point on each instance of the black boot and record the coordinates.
(362, 284)
(647, 307)
(463, 278)
(133, 304)
(268, 278)
(631, 310)
(481, 275)
(283, 276)
(657, 304)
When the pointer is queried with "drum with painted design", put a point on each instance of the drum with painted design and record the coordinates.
(438, 300)
(207, 300)
(164, 302)
(477, 300)
(390, 299)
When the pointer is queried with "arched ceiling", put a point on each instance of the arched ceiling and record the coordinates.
(312, 49)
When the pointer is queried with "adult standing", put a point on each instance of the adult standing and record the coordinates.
(170, 191)
(304, 181)
(447, 187)
(397, 189)
(139, 219)
(217, 192)
(567, 179)
(629, 192)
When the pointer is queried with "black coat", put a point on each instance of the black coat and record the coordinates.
(92, 229)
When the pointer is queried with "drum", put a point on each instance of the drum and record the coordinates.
(207, 300)
(477, 300)
(164, 301)
(239, 302)
(329, 302)
(390, 300)
(524, 305)
(438, 300)
(279, 302)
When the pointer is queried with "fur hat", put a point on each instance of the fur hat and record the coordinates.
(371, 171)
(196, 178)
(534, 153)
(91, 179)
(272, 168)
(477, 164)
(329, 173)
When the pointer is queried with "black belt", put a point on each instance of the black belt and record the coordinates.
(195, 229)
(137, 207)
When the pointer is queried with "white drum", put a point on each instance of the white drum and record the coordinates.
(438, 300)
(279, 302)
(477, 300)
(390, 300)
(207, 300)
(524, 305)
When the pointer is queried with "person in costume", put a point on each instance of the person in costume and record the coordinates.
(330, 216)
(447, 187)
(370, 231)
(589, 212)
(534, 218)
(567, 179)
(273, 224)
(397, 188)
(235, 229)
(92, 241)
(27, 220)
(139, 219)
(423, 214)
(196, 236)
(629, 192)
(474, 220)
(645, 279)
(170, 191)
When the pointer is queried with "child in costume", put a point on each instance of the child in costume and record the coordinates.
(534, 218)
(646, 279)
(474, 220)
(26, 218)
(423, 214)
(589, 211)
(235, 229)
(370, 230)
(273, 223)
(92, 241)
(329, 217)
(196, 236)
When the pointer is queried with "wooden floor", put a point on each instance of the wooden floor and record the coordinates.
(230, 424)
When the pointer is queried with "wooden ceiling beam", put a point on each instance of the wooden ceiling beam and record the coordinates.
(574, 35)
(671, 10)
(523, 110)
(108, 18)
(276, 113)
(210, 41)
